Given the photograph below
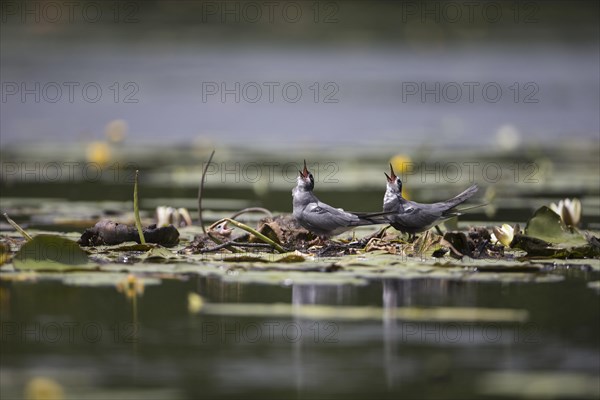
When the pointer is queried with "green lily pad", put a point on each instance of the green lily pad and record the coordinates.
(159, 254)
(547, 225)
(103, 279)
(51, 253)
(285, 258)
(538, 248)
(540, 385)
(358, 313)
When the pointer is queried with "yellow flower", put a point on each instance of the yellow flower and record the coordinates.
(401, 163)
(40, 388)
(195, 303)
(98, 152)
(568, 210)
(131, 286)
(504, 234)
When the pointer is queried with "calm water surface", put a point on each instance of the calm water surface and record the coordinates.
(85, 338)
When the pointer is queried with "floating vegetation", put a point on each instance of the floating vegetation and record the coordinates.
(540, 384)
(440, 314)
(548, 225)
(278, 251)
(51, 253)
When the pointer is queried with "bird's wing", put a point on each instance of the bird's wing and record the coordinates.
(328, 218)
(418, 215)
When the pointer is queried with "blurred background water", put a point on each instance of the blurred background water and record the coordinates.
(310, 74)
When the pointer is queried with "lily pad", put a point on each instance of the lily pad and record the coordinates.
(286, 258)
(313, 311)
(103, 279)
(158, 253)
(539, 248)
(547, 225)
(51, 253)
(540, 384)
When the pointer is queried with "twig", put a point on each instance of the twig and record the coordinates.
(255, 233)
(227, 245)
(201, 192)
(231, 243)
(252, 209)
(136, 209)
(242, 211)
(17, 227)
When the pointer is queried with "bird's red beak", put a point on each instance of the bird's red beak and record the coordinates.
(392, 176)
(304, 172)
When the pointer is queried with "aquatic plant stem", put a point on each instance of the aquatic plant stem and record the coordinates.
(255, 233)
(201, 192)
(232, 243)
(223, 244)
(136, 209)
(17, 227)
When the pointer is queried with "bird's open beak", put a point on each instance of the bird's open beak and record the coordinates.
(392, 176)
(304, 172)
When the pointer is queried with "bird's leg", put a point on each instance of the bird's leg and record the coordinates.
(439, 231)
(381, 232)
(363, 242)
(320, 240)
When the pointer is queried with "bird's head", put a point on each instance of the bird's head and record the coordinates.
(306, 181)
(393, 182)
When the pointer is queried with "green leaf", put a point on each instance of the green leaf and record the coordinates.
(358, 313)
(51, 253)
(159, 254)
(285, 258)
(547, 225)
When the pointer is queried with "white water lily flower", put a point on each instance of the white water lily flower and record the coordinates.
(568, 210)
(169, 215)
(163, 214)
(503, 235)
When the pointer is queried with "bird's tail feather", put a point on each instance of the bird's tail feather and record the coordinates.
(462, 197)
(460, 210)
(372, 218)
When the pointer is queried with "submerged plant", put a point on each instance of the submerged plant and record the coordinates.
(569, 211)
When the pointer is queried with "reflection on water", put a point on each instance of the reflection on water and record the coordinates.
(85, 339)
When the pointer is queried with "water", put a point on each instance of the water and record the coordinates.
(364, 95)
(86, 339)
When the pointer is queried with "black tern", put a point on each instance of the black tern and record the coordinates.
(412, 217)
(323, 219)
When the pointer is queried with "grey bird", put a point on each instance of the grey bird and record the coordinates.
(412, 217)
(323, 219)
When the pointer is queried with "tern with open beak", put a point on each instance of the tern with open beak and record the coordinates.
(412, 217)
(323, 219)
